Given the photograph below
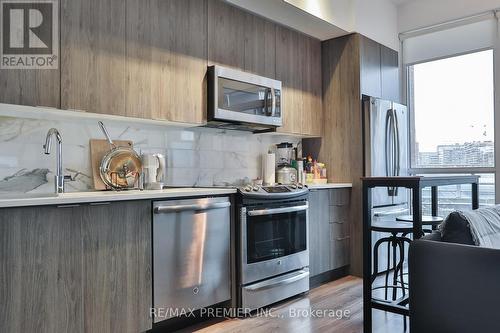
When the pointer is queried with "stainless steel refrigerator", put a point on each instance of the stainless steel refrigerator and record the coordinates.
(385, 132)
(386, 141)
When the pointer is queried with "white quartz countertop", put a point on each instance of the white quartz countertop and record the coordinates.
(28, 199)
(329, 186)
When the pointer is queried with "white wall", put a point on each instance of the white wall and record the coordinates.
(377, 19)
(336, 12)
(325, 19)
(422, 13)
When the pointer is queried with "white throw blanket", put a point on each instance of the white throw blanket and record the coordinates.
(484, 226)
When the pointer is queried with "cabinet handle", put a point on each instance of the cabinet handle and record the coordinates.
(99, 203)
(68, 206)
(343, 238)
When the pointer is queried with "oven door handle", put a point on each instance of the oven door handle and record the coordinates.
(269, 211)
(271, 284)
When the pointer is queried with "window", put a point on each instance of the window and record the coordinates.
(452, 121)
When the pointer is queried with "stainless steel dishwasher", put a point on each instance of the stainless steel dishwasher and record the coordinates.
(191, 254)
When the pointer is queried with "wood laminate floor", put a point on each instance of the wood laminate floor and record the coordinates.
(294, 315)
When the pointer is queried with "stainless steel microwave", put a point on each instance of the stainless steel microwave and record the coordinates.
(244, 101)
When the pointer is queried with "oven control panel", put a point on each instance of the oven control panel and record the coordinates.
(273, 191)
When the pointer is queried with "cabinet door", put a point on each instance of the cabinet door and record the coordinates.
(40, 264)
(319, 232)
(312, 114)
(33, 87)
(166, 59)
(260, 46)
(370, 67)
(117, 280)
(288, 55)
(339, 227)
(30, 86)
(390, 74)
(240, 40)
(93, 56)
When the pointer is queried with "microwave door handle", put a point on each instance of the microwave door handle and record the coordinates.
(266, 104)
(273, 102)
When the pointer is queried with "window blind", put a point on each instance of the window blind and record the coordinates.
(449, 39)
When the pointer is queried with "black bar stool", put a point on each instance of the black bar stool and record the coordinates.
(397, 239)
(427, 220)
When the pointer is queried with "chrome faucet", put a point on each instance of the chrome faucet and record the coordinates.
(59, 177)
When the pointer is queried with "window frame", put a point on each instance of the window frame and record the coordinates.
(496, 124)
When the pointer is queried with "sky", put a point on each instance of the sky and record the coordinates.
(454, 100)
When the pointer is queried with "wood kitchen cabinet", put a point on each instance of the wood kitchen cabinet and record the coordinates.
(83, 268)
(379, 70)
(166, 60)
(148, 59)
(93, 63)
(34, 87)
(41, 271)
(389, 74)
(117, 267)
(328, 230)
(240, 40)
(298, 66)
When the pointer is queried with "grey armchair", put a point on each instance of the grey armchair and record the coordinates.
(454, 288)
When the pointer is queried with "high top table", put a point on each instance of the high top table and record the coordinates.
(415, 184)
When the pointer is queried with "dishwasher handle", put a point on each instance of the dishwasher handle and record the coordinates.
(192, 207)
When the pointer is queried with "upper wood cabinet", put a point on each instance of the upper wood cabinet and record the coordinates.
(166, 52)
(371, 78)
(93, 61)
(240, 40)
(389, 74)
(298, 66)
(379, 70)
(34, 87)
(148, 59)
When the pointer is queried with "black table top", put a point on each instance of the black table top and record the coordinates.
(419, 181)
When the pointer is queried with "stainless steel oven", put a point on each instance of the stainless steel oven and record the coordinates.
(240, 98)
(273, 245)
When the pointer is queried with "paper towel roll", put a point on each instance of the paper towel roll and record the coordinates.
(269, 166)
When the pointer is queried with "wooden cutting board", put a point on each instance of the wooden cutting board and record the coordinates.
(99, 148)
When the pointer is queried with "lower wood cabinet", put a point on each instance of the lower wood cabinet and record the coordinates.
(80, 268)
(328, 230)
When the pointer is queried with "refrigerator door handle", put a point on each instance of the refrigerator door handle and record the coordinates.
(397, 159)
(387, 143)
(389, 148)
(397, 152)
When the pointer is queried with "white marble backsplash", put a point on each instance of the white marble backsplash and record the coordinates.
(195, 156)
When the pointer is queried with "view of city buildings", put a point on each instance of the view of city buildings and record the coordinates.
(469, 154)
